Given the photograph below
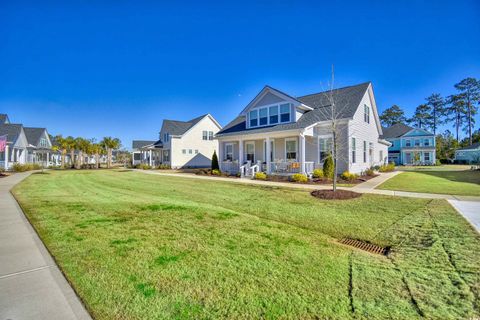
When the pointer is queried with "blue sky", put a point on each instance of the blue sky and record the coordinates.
(119, 68)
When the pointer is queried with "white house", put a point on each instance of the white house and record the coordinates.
(181, 144)
(281, 134)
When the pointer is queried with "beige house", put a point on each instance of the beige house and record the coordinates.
(181, 144)
(280, 134)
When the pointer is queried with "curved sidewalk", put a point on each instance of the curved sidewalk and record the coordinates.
(31, 285)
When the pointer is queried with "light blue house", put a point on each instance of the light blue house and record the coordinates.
(468, 155)
(410, 146)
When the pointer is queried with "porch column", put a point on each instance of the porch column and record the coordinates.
(220, 155)
(240, 152)
(267, 152)
(302, 153)
(48, 158)
(150, 158)
(6, 157)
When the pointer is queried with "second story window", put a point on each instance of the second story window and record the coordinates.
(204, 135)
(166, 137)
(253, 118)
(263, 115)
(426, 142)
(417, 143)
(43, 143)
(273, 114)
(366, 114)
(210, 135)
(285, 112)
(408, 143)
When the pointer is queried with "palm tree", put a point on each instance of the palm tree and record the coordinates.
(70, 142)
(110, 144)
(82, 146)
(62, 145)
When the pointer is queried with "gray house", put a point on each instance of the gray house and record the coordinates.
(281, 134)
(468, 155)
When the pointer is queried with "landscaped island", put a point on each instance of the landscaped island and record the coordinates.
(143, 246)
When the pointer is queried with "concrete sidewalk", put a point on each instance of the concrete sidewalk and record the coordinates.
(31, 285)
(470, 210)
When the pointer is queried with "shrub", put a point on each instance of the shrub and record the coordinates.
(348, 176)
(260, 176)
(215, 165)
(387, 167)
(143, 166)
(17, 167)
(370, 172)
(438, 162)
(163, 167)
(328, 168)
(317, 173)
(299, 177)
(216, 172)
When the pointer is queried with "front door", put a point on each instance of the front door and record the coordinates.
(408, 158)
(250, 148)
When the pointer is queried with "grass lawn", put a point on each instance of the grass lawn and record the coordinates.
(139, 246)
(436, 181)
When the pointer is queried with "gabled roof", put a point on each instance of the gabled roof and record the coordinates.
(347, 100)
(399, 130)
(137, 144)
(395, 131)
(474, 146)
(12, 130)
(178, 128)
(4, 118)
(33, 135)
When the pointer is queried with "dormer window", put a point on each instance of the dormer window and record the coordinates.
(253, 118)
(273, 114)
(285, 112)
(263, 116)
(166, 137)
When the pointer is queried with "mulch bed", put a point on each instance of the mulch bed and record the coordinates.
(278, 178)
(337, 195)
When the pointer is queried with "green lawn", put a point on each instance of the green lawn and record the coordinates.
(139, 246)
(436, 181)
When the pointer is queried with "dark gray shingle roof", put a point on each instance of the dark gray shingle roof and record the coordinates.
(177, 128)
(347, 100)
(395, 131)
(33, 135)
(12, 130)
(136, 144)
(472, 147)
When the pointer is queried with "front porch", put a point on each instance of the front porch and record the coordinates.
(279, 155)
(152, 156)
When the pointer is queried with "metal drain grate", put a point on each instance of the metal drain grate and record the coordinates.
(365, 246)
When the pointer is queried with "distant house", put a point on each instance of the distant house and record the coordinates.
(410, 146)
(468, 155)
(181, 144)
(283, 135)
(25, 145)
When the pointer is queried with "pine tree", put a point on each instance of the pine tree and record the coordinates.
(422, 118)
(456, 111)
(328, 168)
(437, 108)
(215, 165)
(470, 91)
(393, 115)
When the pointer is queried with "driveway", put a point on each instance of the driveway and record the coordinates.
(470, 210)
(31, 285)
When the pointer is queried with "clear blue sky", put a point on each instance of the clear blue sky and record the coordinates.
(118, 68)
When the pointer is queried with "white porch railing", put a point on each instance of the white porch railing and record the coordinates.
(231, 167)
(286, 167)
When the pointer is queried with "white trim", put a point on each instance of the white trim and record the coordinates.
(277, 93)
(272, 148)
(246, 149)
(291, 108)
(296, 147)
(225, 149)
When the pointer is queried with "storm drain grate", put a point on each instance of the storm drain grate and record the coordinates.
(365, 246)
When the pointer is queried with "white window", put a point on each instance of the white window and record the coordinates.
(166, 137)
(426, 142)
(166, 155)
(229, 151)
(325, 148)
(210, 135)
(370, 151)
(408, 143)
(253, 118)
(204, 135)
(426, 156)
(417, 143)
(263, 115)
(364, 151)
(366, 114)
(354, 150)
(43, 143)
(273, 114)
(196, 151)
(250, 148)
(291, 149)
(184, 151)
(272, 152)
(285, 112)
